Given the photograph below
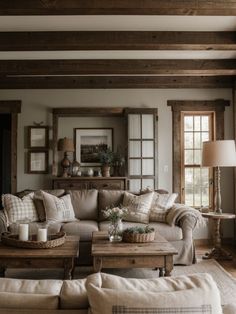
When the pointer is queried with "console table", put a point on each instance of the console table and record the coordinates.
(86, 183)
(217, 252)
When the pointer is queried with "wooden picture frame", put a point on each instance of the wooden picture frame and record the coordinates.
(89, 141)
(37, 161)
(38, 137)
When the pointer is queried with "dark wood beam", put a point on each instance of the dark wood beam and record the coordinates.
(100, 82)
(116, 40)
(118, 7)
(118, 67)
(88, 112)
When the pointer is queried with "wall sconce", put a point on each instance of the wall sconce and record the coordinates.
(65, 145)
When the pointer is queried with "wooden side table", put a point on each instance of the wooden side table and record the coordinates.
(217, 252)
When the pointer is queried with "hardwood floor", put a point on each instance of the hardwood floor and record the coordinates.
(229, 266)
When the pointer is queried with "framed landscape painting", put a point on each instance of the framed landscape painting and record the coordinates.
(89, 142)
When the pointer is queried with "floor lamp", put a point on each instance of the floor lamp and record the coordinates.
(218, 154)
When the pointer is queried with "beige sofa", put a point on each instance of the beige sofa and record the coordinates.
(88, 206)
(168, 295)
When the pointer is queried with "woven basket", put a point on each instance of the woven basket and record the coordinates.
(138, 237)
(13, 240)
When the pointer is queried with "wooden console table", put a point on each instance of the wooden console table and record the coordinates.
(217, 252)
(58, 257)
(86, 183)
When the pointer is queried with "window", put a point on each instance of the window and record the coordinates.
(196, 182)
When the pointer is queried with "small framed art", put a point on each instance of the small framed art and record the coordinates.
(38, 137)
(38, 161)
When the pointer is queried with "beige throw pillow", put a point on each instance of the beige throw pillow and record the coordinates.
(138, 207)
(17, 209)
(196, 293)
(58, 209)
(161, 205)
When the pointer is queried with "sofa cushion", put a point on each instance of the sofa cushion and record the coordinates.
(16, 208)
(74, 294)
(85, 204)
(82, 228)
(58, 209)
(31, 294)
(161, 204)
(108, 199)
(38, 201)
(173, 233)
(138, 206)
(196, 293)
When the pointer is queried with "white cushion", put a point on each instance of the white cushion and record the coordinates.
(195, 293)
(161, 205)
(58, 209)
(17, 209)
(138, 207)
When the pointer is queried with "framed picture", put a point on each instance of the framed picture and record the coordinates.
(38, 137)
(38, 161)
(88, 143)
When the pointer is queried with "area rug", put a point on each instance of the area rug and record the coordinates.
(226, 283)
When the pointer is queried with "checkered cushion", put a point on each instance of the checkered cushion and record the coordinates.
(202, 309)
(17, 209)
(138, 207)
(161, 205)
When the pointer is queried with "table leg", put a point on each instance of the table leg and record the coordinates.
(168, 265)
(217, 252)
(2, 271)
(68, 268)
(97, 264)
(161, 272)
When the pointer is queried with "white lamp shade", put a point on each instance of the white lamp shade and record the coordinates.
(219, 153)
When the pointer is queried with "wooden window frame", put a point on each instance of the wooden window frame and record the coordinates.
(177, 106)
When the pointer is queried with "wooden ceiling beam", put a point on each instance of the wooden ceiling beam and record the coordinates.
(118, 7)
(118, 67)
(115, 82)
(116, 40)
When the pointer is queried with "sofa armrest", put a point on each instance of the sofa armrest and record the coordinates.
(3, 222)
(187, 223)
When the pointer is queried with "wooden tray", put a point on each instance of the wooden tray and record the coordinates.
(54, 240)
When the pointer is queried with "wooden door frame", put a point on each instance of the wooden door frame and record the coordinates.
(12, 107)
(177, 106)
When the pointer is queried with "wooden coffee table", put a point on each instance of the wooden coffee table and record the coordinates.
(59, 257)
(156, 254)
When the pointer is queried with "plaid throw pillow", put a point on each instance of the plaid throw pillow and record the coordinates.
(161, 205)
(16, 208)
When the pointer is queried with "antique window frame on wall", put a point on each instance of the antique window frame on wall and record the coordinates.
(38, 137)
(91, 132)
(44, 166)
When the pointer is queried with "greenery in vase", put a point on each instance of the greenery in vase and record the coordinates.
(114, 214)
(139, 230)
(106, 157)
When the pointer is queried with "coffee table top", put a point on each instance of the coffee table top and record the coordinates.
(101, 246)
(69, 249)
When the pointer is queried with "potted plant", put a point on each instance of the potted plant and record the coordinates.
(106, 158)
(139, 234)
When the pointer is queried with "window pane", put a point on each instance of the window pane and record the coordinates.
(188, 123)
(197, 157)
(188, 157)
(147, 183)
(205, 123)
(135, 167)
(197, 140)
(205, 136)
(135, 148)
(189, 186)
(197, 123)
(148, 167)
(188, 140)
(147, 148)
(147, 126)
(134, 126)
(135, 185)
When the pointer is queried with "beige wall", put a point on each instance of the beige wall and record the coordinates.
(37, 104)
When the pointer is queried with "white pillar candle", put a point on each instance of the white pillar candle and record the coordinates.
(42, 235)
(24, 232)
